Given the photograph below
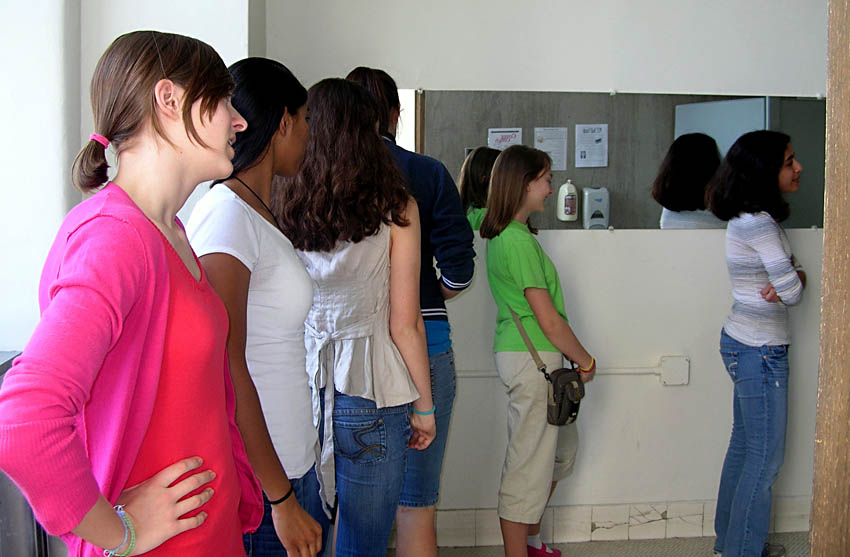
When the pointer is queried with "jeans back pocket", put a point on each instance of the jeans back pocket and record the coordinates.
(359, 438)
(730, 361)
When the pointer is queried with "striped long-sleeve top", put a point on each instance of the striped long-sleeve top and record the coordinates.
(758, 253)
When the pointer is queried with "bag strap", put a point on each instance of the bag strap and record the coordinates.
(541, 367)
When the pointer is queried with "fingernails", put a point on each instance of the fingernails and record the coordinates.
(212, 475)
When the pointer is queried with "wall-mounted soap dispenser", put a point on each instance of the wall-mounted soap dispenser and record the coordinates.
(596, 208)
(567, 209)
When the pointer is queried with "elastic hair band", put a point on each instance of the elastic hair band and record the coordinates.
(284, 498)
(100, 139)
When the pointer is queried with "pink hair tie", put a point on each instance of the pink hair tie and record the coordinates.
(100, 139)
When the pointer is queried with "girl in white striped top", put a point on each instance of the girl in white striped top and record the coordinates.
(747, 191)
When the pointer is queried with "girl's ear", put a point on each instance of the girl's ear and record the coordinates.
(286, 123)
(167, 98)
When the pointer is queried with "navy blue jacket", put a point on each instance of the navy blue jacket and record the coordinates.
(446, 234)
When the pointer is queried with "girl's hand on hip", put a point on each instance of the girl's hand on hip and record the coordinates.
(155, 508)
(768, 293)
(424, 431)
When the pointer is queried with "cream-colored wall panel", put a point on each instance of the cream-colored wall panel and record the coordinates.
(632, 297)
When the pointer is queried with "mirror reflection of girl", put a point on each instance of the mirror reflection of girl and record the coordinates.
(267, 292)
(523, 278)
(748, 193)
(680, 185)
(122, 393)
(475, 181)
(356, 229)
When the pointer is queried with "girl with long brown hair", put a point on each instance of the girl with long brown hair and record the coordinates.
(357, 232)
(523, 279)
(122, 393)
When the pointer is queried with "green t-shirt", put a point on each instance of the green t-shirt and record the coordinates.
(475, 216)
(515, 261)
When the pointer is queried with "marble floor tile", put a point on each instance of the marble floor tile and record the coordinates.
(547, 525)
(684, 520)
(571, 524)
(456, 528)
(487, 528)
(791, 514)
(708, 510)
(647, 522)
(609, 522)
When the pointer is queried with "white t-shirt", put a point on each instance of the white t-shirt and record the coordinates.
(279, 296)
(689, 219)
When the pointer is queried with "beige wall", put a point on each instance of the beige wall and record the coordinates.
(762, 47)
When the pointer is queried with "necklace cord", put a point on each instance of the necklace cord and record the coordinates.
(263, 203)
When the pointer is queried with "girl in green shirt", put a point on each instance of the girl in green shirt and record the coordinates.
(523, 278)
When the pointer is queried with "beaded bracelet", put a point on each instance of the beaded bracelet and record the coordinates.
(428, 413)
(129, 531)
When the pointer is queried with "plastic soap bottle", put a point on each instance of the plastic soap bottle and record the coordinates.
(567, 202)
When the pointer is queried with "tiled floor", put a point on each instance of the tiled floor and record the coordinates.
(796, 544)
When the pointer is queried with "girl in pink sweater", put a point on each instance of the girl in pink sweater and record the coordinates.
(122, 395)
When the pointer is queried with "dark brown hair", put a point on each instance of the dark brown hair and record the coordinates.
(690, 163)
(265, 90)
(748, 178)
(349, 184)
(122, 92)
(383, 89)
(515, 167)
(475, 177)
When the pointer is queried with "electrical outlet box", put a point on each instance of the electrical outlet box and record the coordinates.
(675, 370)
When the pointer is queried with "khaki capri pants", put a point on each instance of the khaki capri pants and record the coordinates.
(538, 453)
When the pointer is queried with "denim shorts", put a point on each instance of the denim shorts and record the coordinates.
(422, 478)
(370, 450)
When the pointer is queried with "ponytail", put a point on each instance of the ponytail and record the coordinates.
(90, 167)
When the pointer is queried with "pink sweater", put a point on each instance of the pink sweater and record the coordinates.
(76, 404)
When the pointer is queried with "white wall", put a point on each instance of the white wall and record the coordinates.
(48, 116)
(39, 99)
(223, 24)
(632, 296)
(773, 47)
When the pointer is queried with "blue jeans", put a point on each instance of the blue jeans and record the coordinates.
(757, 447)
(370, 451)
(422, 479)
(265, 543)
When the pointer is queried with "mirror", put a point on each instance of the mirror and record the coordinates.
(640, 130)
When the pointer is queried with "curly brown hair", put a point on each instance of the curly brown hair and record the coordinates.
(349, 184)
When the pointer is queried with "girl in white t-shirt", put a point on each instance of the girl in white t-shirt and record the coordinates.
(254, 269)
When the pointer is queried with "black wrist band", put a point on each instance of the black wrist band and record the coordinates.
(284, 498)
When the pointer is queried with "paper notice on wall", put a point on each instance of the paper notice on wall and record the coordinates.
(502, 138)
(591, 145)
(554, 142)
